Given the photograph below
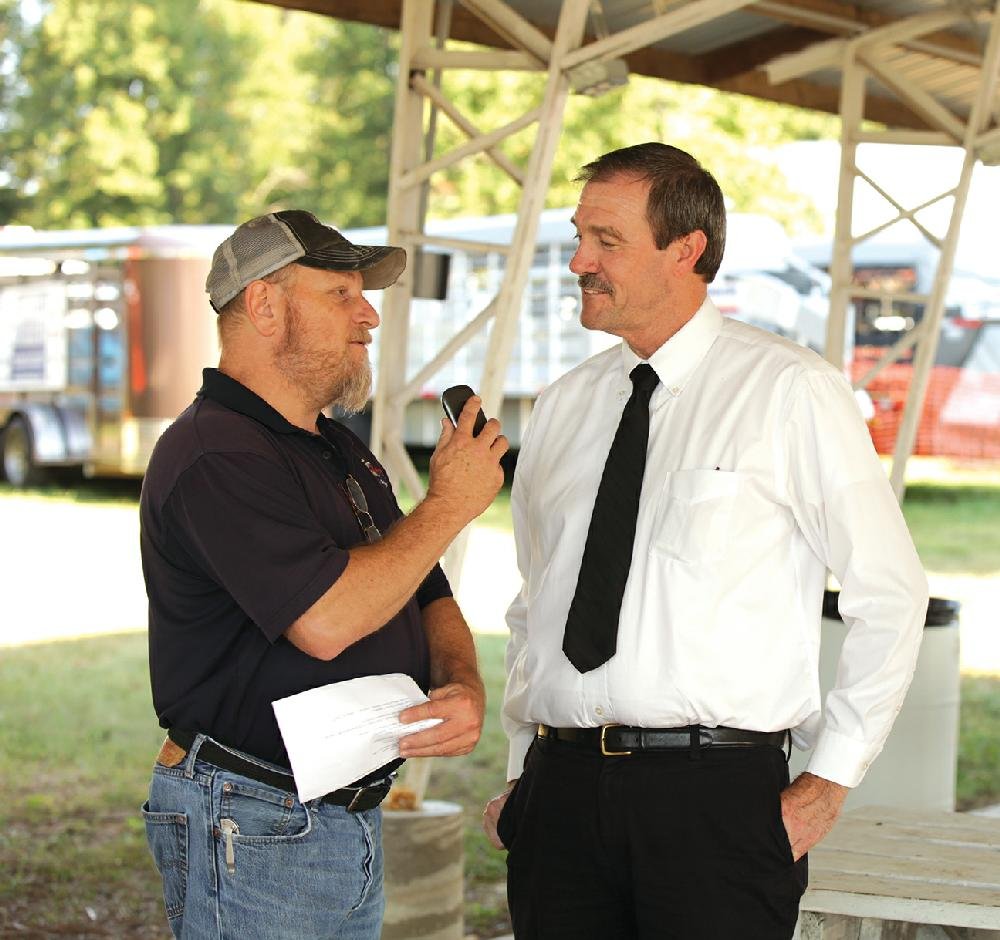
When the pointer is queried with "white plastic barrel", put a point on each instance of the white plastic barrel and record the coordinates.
(917, 766)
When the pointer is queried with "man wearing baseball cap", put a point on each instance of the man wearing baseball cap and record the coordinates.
(277, 560)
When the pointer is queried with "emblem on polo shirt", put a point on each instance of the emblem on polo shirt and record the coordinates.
(376, 471)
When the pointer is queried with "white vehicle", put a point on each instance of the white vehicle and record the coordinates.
(103, 334)
(761, 281)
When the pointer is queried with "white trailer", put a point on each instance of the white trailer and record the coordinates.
(762, 281)
(103, 334)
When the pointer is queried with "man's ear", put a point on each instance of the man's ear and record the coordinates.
(690, 248)
(263, 306)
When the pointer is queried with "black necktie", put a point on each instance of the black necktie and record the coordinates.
(592, 623)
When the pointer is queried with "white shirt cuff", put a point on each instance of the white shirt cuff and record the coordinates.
(520, 741)
(840, 759)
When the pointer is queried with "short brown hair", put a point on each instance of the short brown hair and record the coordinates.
(683, 196)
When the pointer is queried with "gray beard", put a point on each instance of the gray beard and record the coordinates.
(351, 394)
(325, 379)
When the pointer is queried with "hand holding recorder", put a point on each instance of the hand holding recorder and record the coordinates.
(465, 467)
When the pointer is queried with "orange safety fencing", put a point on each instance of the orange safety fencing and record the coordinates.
(961, 416)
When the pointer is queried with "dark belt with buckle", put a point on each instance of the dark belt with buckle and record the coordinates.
(622, 740)
(354, 798)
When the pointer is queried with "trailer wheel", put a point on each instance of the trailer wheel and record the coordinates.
(18, 460)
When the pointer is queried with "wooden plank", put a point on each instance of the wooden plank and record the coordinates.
(906, 910)
(939, 859)
(849, 834)
(909, 865)
(965, 880)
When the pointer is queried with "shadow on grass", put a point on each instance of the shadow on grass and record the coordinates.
(76, 490)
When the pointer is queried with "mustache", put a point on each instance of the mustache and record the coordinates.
(593, 282)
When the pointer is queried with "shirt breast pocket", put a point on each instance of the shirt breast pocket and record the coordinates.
(695, 515)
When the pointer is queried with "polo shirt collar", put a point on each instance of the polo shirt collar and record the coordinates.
(234, 395)
(678, 358)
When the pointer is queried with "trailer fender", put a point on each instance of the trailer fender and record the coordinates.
(59, 436)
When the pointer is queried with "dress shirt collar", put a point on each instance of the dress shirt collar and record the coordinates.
(678, 358)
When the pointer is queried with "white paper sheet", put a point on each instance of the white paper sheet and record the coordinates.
(337, 733)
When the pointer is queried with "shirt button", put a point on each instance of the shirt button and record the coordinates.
(598, 710)
(327, 455)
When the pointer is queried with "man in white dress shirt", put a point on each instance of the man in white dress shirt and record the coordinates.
(648, 794)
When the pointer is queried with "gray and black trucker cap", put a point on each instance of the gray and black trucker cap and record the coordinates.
(262, 245)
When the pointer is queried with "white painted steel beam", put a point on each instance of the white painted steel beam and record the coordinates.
(845, 26)
(902, 213)
(822, 55)
(510, 25)
(479, 144)
(465, 125)
(468, 332)
(917, 99)
(900, 136)
(829, 53)
(852, 97)
(653, 30)
(910, 27)
(403, 214)
(934, 312)
(491, 60)
(892, 354)
(458, 244)
(572, 20)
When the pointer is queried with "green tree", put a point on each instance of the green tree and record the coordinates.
(145, 111)
(345, 162)
(729, 134)
(139, 111)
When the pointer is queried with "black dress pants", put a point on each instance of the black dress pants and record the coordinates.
(650, 846)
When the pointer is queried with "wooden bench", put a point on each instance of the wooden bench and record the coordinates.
(882, 873)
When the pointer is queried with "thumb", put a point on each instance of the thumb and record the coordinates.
(447, 432)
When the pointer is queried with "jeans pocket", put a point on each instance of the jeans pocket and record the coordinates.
(167, 835)
(261, 811)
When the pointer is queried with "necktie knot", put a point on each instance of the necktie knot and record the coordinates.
(644, 378)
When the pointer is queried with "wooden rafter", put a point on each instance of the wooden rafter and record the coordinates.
(736, 67)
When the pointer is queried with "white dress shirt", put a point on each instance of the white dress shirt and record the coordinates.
(760, 476)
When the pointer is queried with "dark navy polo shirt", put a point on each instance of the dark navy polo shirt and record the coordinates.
(244, 525)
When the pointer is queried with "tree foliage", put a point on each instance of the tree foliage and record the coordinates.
(728, 134)
(120, 112)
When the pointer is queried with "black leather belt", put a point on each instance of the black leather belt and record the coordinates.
(354, 798)
(621, 740)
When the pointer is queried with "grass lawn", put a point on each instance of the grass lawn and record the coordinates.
(956, 528)
(77, 736)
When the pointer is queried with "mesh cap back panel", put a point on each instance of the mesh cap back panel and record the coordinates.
(253, 251)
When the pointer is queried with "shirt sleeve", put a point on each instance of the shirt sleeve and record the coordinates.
(244, 522)
(433, 587)
(847, 512)
(519, 734)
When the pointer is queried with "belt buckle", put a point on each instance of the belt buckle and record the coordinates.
(604, 744)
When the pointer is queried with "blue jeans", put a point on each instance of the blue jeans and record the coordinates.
(243, 860)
